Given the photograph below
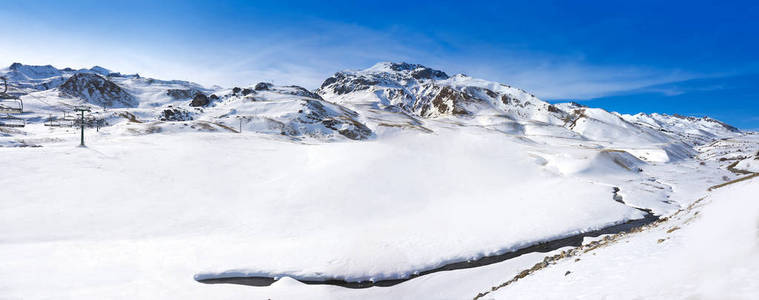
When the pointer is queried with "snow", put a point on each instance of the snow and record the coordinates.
(749, 164)
(709, 253)
(390, 222)
(330, 185)
(157, 210)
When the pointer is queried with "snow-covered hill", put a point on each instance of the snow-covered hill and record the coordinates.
(284, 110)
(97, 90)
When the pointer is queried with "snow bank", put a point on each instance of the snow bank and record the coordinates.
(748, 164)
(709, 253)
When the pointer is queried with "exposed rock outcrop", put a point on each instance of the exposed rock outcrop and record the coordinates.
(199, 100)
(175, 114)
(182, 93)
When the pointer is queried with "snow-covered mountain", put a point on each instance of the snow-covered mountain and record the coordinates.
(26, 78)
(402, 95)
(430, 93)
(355, 104)
(387, 97)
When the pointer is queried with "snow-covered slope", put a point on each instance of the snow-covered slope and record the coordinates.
(706, 252)
(694, 130)
(283, 110)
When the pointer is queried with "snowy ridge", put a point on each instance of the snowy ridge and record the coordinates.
(694, 130)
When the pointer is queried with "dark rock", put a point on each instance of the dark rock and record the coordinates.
(575, 104)
(263, 86)
(182, 93)
(175, 114)
(236, 90)
(427, 73)
(301, 91)
(328, 81)
(445, 100)
(418, 71)
(246, 92)
(490, 93)
(553, 109)
(200, 100)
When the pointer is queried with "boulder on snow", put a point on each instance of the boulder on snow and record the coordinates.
(175, 114)
(199, 100)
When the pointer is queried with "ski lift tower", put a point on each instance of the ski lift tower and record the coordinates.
(82, 109)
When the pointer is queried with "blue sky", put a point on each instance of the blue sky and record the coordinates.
(688, 57)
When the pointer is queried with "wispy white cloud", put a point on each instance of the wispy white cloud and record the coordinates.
(573, 80)
(285, 56)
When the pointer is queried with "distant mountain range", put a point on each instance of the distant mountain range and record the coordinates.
(361, 104)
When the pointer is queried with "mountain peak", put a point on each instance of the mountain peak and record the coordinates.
(415, 70)
(97, 90)
(388, 66)
(19, 71)
(100, 70)
(18, 66)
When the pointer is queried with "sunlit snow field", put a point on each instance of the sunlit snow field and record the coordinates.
(141, 216)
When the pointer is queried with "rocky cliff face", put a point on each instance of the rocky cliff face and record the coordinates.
(97, 90)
